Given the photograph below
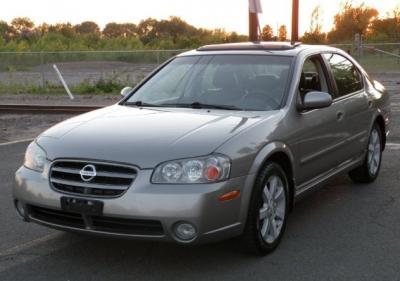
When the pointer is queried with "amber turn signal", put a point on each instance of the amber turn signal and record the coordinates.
(229, 196)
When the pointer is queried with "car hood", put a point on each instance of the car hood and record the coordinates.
(144, 137)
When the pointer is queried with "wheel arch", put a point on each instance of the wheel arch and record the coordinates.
(279, 153)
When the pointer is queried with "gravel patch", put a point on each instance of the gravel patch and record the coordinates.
(24, 126)
(100, 100)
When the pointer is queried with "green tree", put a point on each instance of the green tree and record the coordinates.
(65, 29)
(147, 30)
(43, 28)
(130, 29)
(24, 29)
(386, 29)
(282, 33)
(2, 43)
(267, 33)
(21, 25)
(113, 30)
(315, 34)
(235, 37)
(6, 31)
(175, 27)
(87, 27)
(352, 20)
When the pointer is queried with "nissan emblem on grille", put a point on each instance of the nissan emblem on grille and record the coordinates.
(88, 172)
(97, 179)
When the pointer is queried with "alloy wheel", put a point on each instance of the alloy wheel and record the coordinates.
(374, 152)
(272, 211)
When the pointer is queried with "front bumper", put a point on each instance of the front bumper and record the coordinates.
(144, 202)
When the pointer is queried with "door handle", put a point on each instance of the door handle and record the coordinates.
(339, 115)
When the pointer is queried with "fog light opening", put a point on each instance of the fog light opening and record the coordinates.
(185, 231)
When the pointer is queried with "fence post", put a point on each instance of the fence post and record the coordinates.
(158, 57)
(357, 45)
(42, 70)
(71, 96)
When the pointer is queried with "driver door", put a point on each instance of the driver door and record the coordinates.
(315, 143)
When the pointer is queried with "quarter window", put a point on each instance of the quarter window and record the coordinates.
(347, 76)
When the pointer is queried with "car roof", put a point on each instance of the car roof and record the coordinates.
(275, 48)
(266, 46)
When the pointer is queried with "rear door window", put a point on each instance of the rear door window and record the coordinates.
(347, 77)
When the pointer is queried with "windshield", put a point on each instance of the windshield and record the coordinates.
(243, 82)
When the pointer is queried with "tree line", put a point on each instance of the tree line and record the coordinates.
(21, 34)
(348, 22)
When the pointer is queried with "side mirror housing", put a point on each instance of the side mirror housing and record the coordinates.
(125, 91)
(315, 100)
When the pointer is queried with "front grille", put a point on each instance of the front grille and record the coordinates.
(97, 223)
(111, 180)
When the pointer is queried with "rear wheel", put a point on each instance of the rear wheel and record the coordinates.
(268, 210)
(369, 171)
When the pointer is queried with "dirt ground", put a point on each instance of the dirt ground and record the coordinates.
(101, 100)
(26, 126)
(16, 127)
(19, 127)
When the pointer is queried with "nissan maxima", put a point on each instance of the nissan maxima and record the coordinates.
(216, 143)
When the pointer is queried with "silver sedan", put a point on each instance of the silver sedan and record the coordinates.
(217, 142)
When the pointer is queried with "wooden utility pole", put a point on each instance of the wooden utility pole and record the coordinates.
(253, 27)
(295, 21)
(254, 9)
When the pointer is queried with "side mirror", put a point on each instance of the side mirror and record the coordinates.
(314, 100)
(125, 91)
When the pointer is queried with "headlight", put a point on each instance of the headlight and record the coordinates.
(35, 157)
(206, 169)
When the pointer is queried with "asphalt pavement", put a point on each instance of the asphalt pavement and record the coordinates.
(340, 232)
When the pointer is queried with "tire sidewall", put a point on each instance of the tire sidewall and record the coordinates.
(269, 169)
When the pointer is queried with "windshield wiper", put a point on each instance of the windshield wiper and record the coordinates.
(198, 105)
(195, 105)
(140, 103)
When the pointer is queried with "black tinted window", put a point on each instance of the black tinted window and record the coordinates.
(348, 78)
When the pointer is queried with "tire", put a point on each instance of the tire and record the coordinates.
(259, 236)
(369, 170)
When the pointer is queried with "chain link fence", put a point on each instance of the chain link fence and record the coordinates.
(375, 57)
(97, 72)
(86, 72)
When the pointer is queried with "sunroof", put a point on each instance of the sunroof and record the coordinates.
(267, 46)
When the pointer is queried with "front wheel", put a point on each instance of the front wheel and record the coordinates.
(369, 171)
(268, 210)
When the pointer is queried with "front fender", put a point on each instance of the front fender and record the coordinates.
(269, 150)
(262, 156)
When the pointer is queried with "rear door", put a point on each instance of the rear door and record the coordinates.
(354, 102)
